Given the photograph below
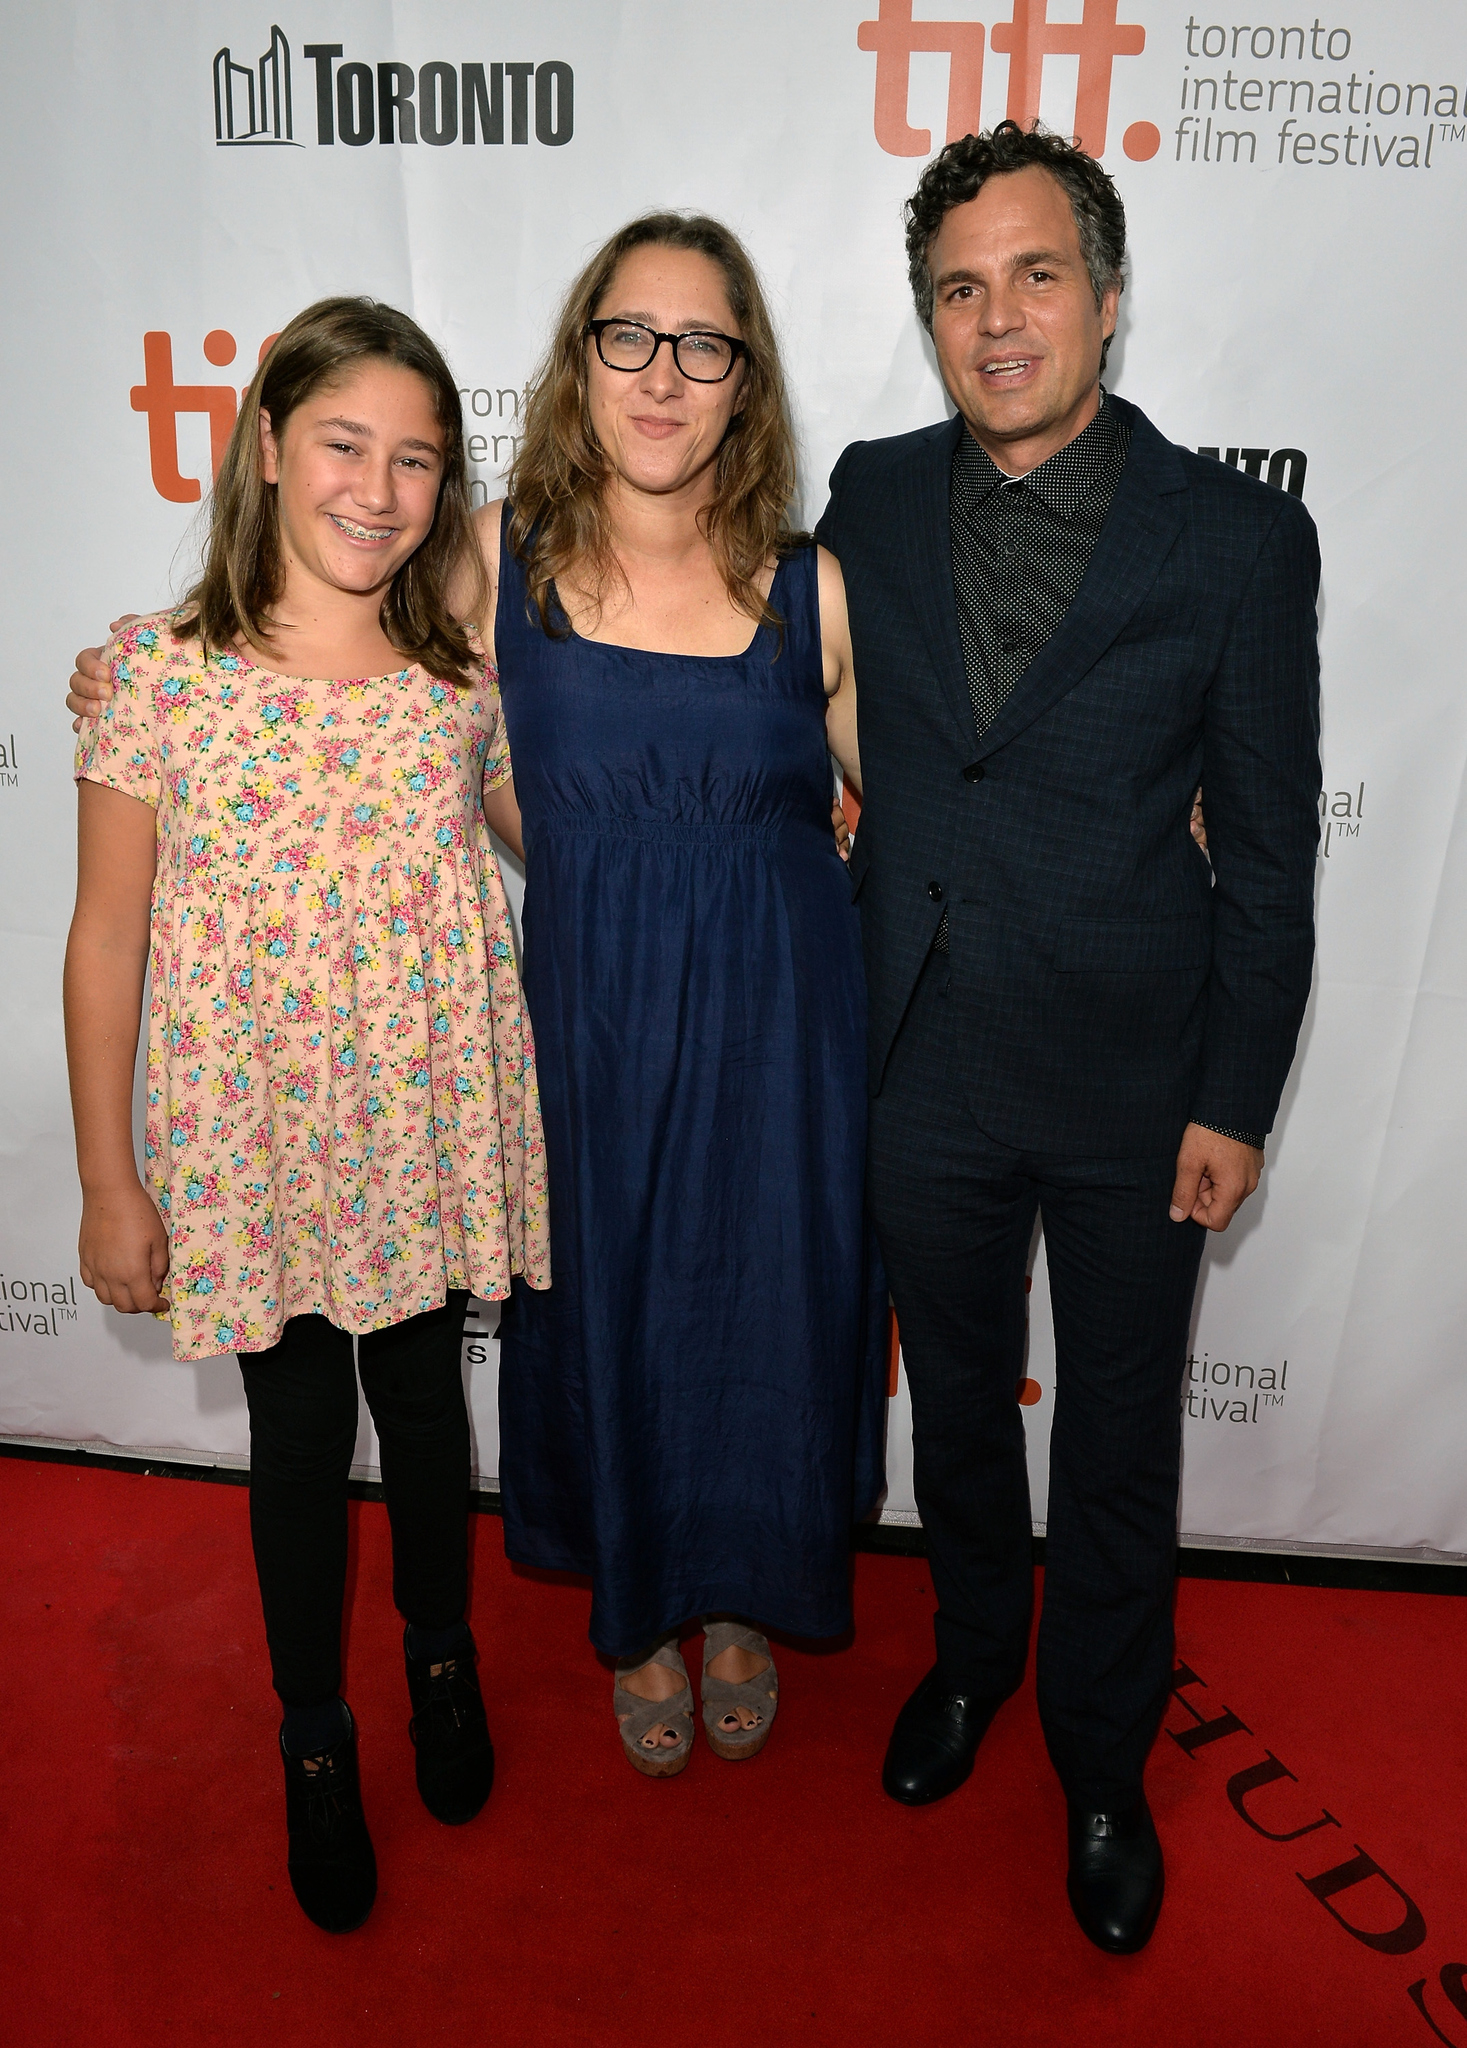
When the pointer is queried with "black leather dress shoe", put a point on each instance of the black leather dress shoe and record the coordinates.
(935, 1739)
(1116, 1876)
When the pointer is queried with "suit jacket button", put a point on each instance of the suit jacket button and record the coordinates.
(934, 890)
(973, 772)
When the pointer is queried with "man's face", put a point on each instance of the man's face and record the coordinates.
(1015, 323)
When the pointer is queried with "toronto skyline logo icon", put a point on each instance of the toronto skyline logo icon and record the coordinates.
(253, 104)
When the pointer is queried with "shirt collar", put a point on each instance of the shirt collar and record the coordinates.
(1063, 483)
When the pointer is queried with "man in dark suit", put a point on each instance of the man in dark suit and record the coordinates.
(1062, 625)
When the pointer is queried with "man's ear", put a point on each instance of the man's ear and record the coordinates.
(1110, 306)
(269, 453)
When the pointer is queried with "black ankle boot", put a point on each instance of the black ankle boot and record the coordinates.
(333, 1871)
(455, 1758)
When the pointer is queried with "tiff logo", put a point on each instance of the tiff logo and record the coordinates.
(241, 115)
(162, 401)
(1097, 39)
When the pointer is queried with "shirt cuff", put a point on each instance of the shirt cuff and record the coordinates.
(1254, 1138)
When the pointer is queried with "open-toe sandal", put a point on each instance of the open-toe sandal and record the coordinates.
(722, 1698)
(642, 1719)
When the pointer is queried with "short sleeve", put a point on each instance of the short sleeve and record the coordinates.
(120, 748)
(498, 767)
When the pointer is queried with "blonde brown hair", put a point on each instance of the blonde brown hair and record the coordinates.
(243, 574)
(556, 485)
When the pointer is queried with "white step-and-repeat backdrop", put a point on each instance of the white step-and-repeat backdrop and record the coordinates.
(180, 178)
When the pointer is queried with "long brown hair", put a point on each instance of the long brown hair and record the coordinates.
(244, 576)
(557, 482)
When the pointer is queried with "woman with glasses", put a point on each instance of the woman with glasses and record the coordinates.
(693, 1413)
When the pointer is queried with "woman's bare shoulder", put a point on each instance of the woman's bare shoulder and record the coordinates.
(832, 588)
(835, 622)
(487, 523)
(472, 584)
(488, 520)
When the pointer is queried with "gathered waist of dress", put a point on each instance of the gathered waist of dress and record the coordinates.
(710, 833)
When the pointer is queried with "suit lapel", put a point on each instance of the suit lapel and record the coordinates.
(1146, 515)
(930, 560)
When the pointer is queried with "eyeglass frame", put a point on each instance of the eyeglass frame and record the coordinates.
(594, 329)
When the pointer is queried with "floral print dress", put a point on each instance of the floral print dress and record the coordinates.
(342, 1114)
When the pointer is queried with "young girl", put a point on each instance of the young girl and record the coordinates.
(282, 810)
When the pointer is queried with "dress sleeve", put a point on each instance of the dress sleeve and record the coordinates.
(497, 765)
(121, 747)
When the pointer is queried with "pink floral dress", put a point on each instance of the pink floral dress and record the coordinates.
(342, 1113)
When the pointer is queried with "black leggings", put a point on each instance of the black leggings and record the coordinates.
(302, 1396)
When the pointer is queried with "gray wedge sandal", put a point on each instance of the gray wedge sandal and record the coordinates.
(722, 1697)
(639, 1718)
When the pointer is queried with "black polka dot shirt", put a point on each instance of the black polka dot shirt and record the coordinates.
(1021, 546)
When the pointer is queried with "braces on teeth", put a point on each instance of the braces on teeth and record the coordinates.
(362, 532)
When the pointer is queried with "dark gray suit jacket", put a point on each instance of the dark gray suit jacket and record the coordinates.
(1116, 985)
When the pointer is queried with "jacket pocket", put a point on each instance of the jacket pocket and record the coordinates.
(1113, 945)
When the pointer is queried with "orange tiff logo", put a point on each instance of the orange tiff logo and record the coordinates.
(163, 400)
(1097, 39)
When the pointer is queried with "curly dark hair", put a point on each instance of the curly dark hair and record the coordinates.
(959, 172)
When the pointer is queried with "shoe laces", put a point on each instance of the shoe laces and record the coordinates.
(447, 1707)
(329, 1799)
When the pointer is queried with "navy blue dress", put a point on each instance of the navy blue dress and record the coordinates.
(693, 1412)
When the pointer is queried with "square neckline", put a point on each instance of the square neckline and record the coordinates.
(666, 654)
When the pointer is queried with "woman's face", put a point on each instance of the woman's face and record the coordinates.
(356, 468)
(660, 430)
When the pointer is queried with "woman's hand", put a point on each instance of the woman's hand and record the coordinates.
(90, 690)
(123, 1250)
(1199, 823)
(842, 826)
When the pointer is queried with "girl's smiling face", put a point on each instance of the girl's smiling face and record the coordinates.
(356, 469)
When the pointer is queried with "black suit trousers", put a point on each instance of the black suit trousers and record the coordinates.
(954, 1212)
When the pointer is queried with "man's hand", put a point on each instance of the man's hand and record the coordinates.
(90, 690)
(1215, 1176)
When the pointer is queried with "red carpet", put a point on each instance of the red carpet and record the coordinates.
(783, 1901)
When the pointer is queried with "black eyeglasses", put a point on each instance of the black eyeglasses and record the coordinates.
(702, 356)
